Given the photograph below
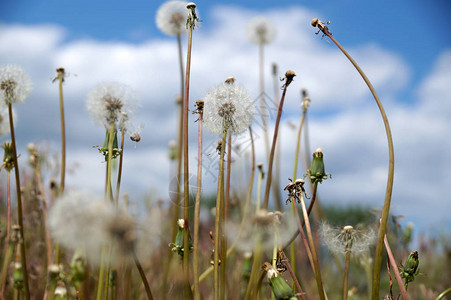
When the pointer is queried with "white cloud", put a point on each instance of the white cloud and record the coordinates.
(352, 137)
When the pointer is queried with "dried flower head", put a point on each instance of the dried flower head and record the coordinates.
(262, 228)
(347, 239)
(228, 106)
(14, 84)
(260, 30)
(171, 17)
(110, 101)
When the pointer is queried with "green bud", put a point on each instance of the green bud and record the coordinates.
(18, 276)
(8, 156)
(279, 286)
(410, 268)
(178, 246)
(316, 172)
(77, 267)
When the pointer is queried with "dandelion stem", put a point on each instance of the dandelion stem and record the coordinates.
(185, 161)
(119, 172)
(8, 251)
(443, 294)
(197, 210)
(63, 130)
(274, 141)
(219, 214)
(391, 165)
(259, 188)
(276, 181)
(304, 239)
(19, 204)
(395, 269)
(319, 282)
(290, 270)
(209, 270)
(346, 276)
(143, 276)
(261, 55)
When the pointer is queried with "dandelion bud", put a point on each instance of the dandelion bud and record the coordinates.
(18, 276)
(61, 293)
(316, 172)
(178, 246)
(104, 149)
(8, 156)
(279, 286)
(410, 268)
(173, 150)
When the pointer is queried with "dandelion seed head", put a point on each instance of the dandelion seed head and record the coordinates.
(262, 229)
(347, 238)
(260, 30)
(112, 102)
(4, 119)
(14, 84)
(171, 17)
(228, 105)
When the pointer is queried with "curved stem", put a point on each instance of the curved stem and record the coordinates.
(19, 204)
(443, 294)
(197, 211)
(391, 166)
(143, 277)
(273, 147)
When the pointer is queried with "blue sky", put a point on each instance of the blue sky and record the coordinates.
(403, 46)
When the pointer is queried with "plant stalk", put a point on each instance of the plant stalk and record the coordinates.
(395, 269)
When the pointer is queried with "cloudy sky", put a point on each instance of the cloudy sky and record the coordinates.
(404, 47)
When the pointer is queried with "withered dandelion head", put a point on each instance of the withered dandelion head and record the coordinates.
(14, 84)
(171, 17)
(260, 30)
(228, 106)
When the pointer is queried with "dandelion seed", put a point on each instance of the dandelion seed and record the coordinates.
(260, 30)
(347, 239)
(171, 17)
(14, 84)
(109, 102)
(228, 106)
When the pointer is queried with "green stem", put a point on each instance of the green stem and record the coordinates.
(185, 163)
(119, 172)
(319, 282)
(276, 181)
(443, 294)
(209, 270)
(389, 188)
(143, 277)
(273, 147)
(259, 188)
(19, 204)
(293, 276)
(219, 214)
(63, 133)
(8, 249)
(197, 211)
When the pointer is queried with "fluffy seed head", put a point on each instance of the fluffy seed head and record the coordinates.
(171, 17)
(347, 239)
(228, 106)
(14, 84)
(260, 30)
(109, 101)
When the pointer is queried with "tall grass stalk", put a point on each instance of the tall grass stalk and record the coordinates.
(391, 164)
(197, 203)
(289, 76)
(19, 205)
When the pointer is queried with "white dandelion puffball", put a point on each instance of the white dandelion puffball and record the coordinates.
(14, 84)
(346, 238)
(78, 220)
(260, 30)
(171, 17)
(228, 105)
(109, 101)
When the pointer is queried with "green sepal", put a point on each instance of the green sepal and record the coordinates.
(280, 288)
